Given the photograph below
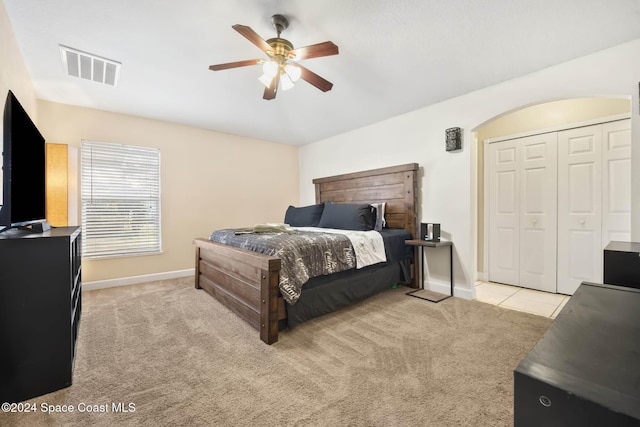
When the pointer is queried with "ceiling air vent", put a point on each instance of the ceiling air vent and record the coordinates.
(89, 66)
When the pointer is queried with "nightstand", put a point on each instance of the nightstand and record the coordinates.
(420, 245)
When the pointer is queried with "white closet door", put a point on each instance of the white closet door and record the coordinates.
(579, 207)
(616, 182)
(538, 211)
(504, 241)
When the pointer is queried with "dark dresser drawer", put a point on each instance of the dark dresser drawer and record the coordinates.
(622, 264)
(564, 409)
(585, 370)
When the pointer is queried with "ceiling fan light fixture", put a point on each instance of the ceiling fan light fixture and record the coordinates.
(265, 80)
(286, 82)
(293, 72)
(270, 69)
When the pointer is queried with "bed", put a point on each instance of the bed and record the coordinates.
(247, 282)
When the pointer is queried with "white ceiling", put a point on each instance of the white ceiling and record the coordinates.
(395, 56)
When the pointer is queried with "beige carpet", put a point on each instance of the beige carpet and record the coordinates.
(182, 359)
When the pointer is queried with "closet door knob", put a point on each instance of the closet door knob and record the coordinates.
(533, 220)
(582, 221)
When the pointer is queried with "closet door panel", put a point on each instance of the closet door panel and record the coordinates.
(504, 203)
(581, 243)
(579, 207)
(616, 182)
(555, 201)
(538, 212)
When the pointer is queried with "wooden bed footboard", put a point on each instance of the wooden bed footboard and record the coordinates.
(246, 282)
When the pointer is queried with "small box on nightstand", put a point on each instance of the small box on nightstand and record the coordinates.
(430, 232)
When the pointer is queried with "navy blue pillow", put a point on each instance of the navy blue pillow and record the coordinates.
(306, 216)
(348, 216)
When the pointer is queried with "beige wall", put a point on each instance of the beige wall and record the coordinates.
(552, 114)
(536, 117)
(13, 72)
(210, 180)
(13, 76)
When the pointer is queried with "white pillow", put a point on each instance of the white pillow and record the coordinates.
(380, 221)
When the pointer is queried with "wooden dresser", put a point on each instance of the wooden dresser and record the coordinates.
(40, 306)
(585, 370)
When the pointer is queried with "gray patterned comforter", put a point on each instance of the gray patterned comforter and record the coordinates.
(304, 255)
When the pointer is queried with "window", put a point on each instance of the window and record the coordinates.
(120, 199)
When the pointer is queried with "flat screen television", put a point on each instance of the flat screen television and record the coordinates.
(23, 169)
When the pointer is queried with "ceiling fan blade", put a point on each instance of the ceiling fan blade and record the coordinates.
(253, 37)
(236, 64)
(270, 92)
(314, 79)
(315, 50)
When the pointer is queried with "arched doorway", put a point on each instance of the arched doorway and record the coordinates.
(530, 120)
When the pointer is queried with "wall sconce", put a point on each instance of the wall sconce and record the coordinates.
(453, 139)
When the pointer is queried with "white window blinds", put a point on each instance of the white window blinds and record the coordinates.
(120, 199)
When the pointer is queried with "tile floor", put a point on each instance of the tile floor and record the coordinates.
(521, 299)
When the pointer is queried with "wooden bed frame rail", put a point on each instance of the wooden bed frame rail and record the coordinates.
(244, 281)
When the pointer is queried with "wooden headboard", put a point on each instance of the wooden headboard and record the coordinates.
(395, 185)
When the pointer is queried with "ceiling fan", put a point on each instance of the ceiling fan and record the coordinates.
(280, 69)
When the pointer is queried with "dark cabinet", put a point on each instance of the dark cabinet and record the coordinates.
(622, 264)
(40, 307)
(584, 371)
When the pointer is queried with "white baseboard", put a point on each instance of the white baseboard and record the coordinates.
(134, 280)
(436, 286)
(445, 288)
